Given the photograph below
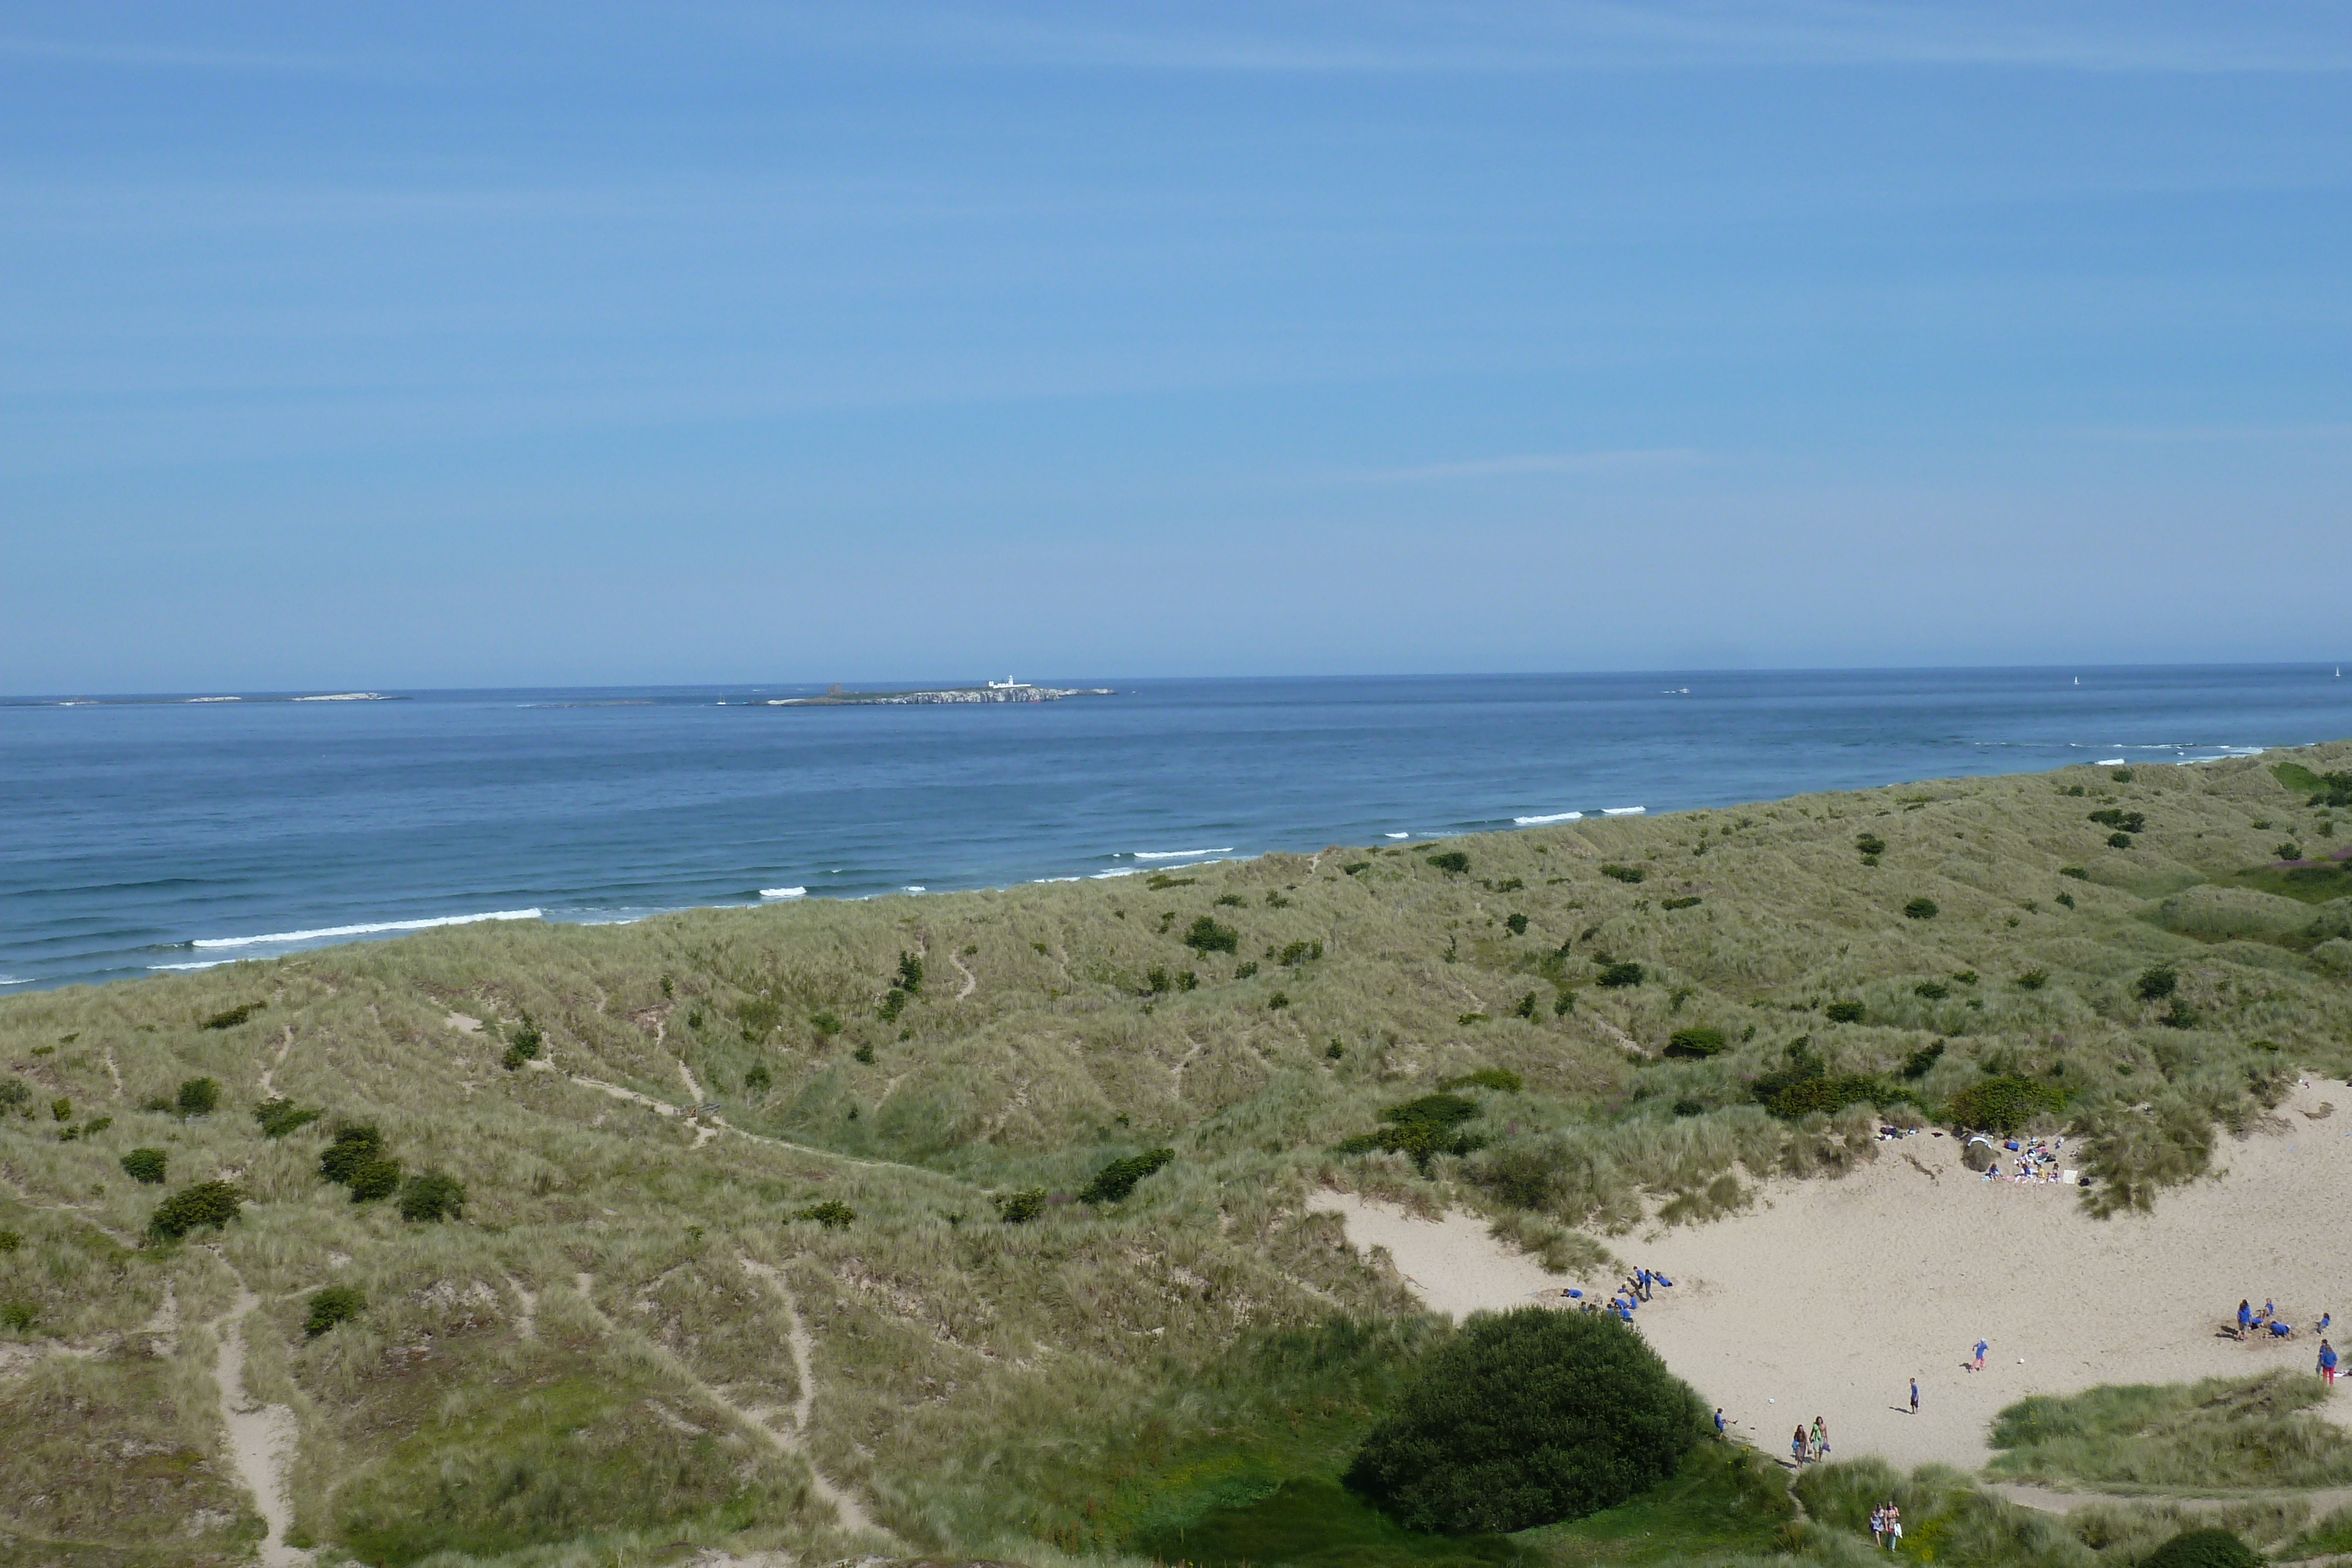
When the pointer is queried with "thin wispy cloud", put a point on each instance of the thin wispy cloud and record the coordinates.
(1532, 462)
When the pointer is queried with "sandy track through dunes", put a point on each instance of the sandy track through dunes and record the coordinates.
(260, 1436)
(1828, 1296)
(853, 1513)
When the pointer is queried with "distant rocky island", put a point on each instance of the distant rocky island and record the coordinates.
(993, 692)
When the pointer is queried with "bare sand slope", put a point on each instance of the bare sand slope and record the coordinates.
(1828, 1296)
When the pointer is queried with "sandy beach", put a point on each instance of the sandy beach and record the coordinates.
(1828, 1296)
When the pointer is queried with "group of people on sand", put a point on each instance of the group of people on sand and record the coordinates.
(2252, 1324)
(1886, 1526)
(1806, 1447)
(2036, 1160)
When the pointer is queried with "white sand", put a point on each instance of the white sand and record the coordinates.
(1829, 1295)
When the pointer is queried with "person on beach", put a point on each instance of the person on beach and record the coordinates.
(2245, 1319)
(1894, 1528)
(1878, 1525)
(1915, 1397)
(1979, 1365)
(1820, 1439)
(1718, 1423)
(2325, 1318)
(1797, 1445)
(2327, 1364)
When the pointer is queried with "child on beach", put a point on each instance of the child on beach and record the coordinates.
(1979, 1365)
(2245, 1319)
(2327, 1364)
(1718, 1423)
(1915, 1397)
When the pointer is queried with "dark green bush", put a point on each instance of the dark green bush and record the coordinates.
(1245, 970)
(145, 1166)
(429, 1195)
(2288, 851)
(1920, 909)
(523, 1044)
(1354, 867)
(1020, 1207)
(2204, 1548)
(1160, 879)
(1525, 1008)
(1278, 1001)
(1515, 923)
(1870, 844)
(234, 1016)
(757, 1078)
(2335, 790)
(1617, 977)
(1915, 1066)
(335, 1304)
(375, 1179)
(2111, 817)
(1421, 1129)
(2003, 1104)
(2032, 979)
(1524, 1418)
(894, 1002)
(864, 1054)
(2121, 776)
(280, 1117)
(61, 1109)
(1117, 1179)
(1233, 899)
(1695, 1043)
(192, 1208)
(1689, 902)
(1843, 1012)
(826, 1024)
(1207, 937)
(832, 1214)
(1452, 861)
(2119, 841)
(2156, 983)
(198, 1097)
(353, 1146)
(1933, 990)
(1298, 953)
(11, 1241)
(2077, 873)
(1804, 1084)
(910, 973)
(1627, 873)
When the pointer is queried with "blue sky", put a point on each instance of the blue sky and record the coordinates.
(422, 344)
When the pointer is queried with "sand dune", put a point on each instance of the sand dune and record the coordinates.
(1828, 1296)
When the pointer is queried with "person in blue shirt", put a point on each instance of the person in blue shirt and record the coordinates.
(1981, 1348)
(2245, 1319)
(2327, 1364)
(1915, 1397)
(1718, 1409)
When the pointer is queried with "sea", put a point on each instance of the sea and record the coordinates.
(163, 833)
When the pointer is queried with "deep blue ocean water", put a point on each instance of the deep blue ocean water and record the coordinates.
(145, 835)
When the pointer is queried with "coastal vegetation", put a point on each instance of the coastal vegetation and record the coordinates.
(590, 1185)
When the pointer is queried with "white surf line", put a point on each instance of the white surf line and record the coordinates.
(853, 1513)
(260, 1438)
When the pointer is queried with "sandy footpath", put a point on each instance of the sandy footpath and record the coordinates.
(1827, 1296)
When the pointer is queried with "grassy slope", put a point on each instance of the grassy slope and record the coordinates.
(1066, 1385)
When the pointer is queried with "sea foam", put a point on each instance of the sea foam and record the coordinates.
(1177, 854)
(371, 929)
(1623, 811)
(1539, 821)
(783, 893)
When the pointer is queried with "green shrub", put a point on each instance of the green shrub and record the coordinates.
(429, 1195)
(18, 1316)
(353, 1146)
(1933, 990)
(1278, 1001)
(1117, 1179)
(61, 1109)
(10, 1241)
(864, 1054)
(826, 1024)
(2129, 822)
(377, 1178)
(1298, 953)
(1626, 873)
(1915, 1066)
(2121, 776)
(2032, 979)
(1501, 1080)
(2119, 841)
(832, 1214)
(1233, 899)
(1617, 977)
(15, 1095)
(1843, 1012)
(1355, 868)
(2003, 1104)
(1515, 923)
(1695, 1043)
(757, 1078)
(335, 1304)
(1525, 1008)
(1245, 970)
(145, 1166)
(1870, 844)
(198, 1097)
(1526, 1419)
(2288, 851)
(232, 1017)
(894, 1002)
(2335, 790)
(1690, 901)
(1420, 1129)
(280, 1117)
(2077, 873)
(1020, 1207)
(1451, 861)
(910, 973)
(1804, 1084)
(1920, 909)
(192, 1208)
(2156, 983)
(2203, 1548)
(1161, 879)
(1207, 937)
